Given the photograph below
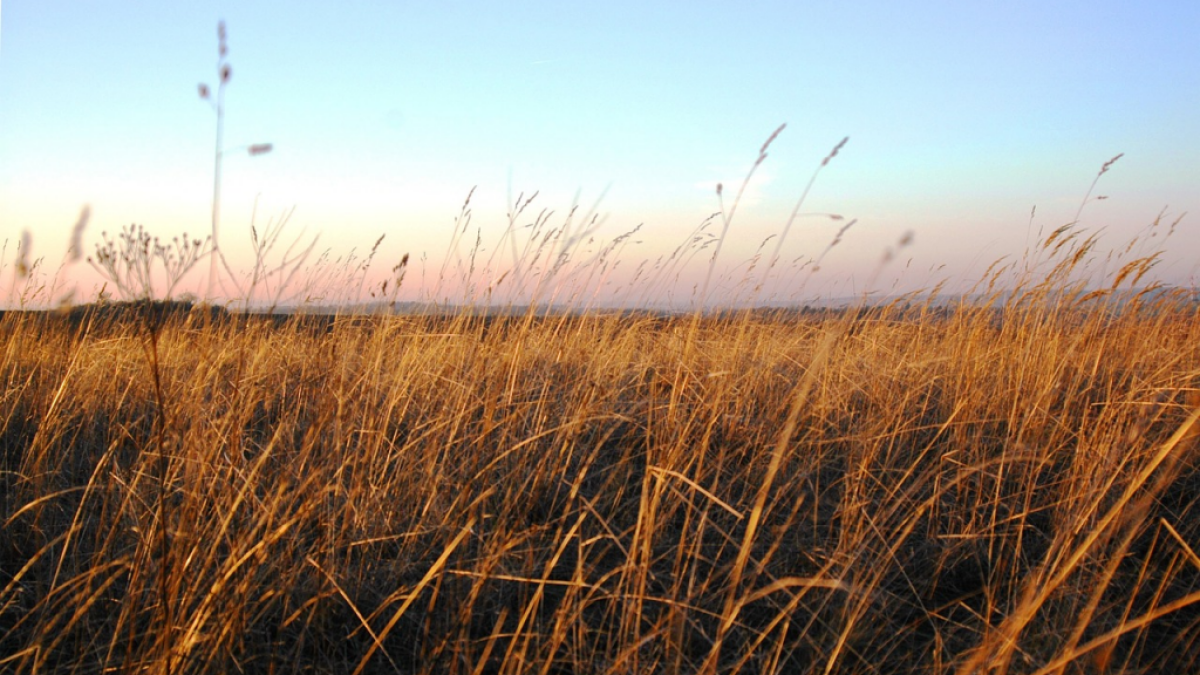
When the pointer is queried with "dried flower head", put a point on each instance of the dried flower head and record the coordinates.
(763, 150)
(1109, 163)
(837, 148)
(837, 238)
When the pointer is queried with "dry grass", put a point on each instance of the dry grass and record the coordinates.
(929, 491)
(1008, 486)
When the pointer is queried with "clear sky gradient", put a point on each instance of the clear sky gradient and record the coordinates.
(962, 117)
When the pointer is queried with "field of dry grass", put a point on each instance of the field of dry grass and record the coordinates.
(1005, 482)
(1007, 490)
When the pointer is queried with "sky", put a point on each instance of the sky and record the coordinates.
(972, 127)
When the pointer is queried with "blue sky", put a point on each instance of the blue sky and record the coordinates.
(962, 117)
